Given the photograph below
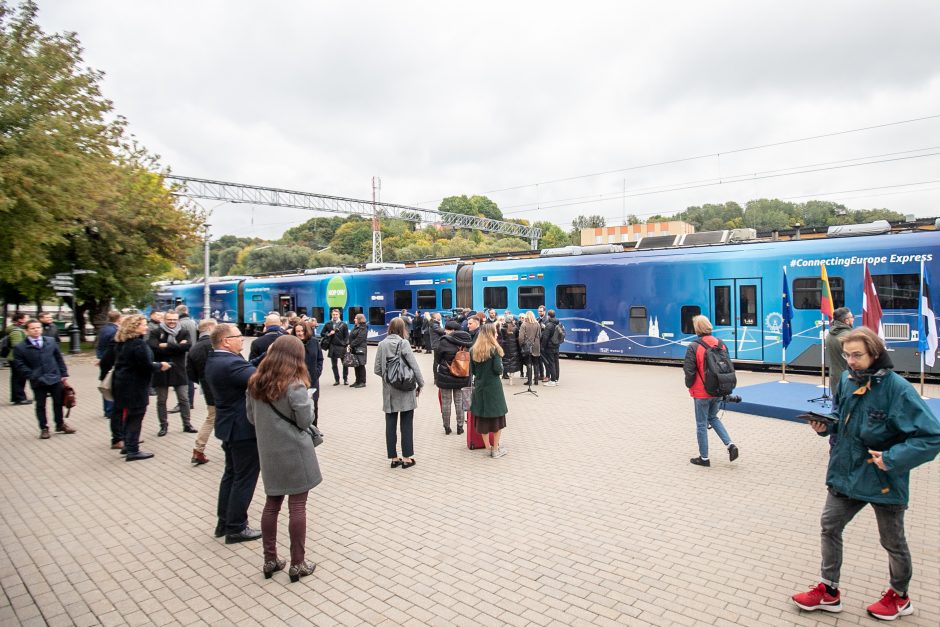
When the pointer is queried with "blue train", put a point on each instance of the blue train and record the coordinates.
(637, 303)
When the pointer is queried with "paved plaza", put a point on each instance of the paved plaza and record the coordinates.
(594, 517)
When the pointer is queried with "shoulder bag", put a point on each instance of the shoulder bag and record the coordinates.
(105, 386)
(399, 374)
(312, 430)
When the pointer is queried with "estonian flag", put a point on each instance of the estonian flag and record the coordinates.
(787, 311)
(926, 321)
(871, 306)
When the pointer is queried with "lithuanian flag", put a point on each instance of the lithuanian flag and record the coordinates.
(825, 298)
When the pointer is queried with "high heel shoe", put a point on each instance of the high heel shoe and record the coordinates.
(272, 566)
(301, 570)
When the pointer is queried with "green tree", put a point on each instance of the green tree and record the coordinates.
(315, 233)
(769, 214)
(354, 239)
(588, 222)
(276, 258)
(479, 206)
(552, 235)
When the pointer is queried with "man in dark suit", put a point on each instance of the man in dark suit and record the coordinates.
(39, 360)
(272, 331)
(227, 375)
(338, 333)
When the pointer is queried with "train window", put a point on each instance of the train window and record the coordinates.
(427, 299)
(722, 305)
(807, 292)
(377, 316)
(747, 305)
(352, 314)
(402, 299)
(897, 291)
(447, 298)
(571, 296)
(638, 322)
(495, 297)
(317, 313)
(689, 312)
(301, 311)
(530, 297)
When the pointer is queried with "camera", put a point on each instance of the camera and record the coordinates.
(730, 398)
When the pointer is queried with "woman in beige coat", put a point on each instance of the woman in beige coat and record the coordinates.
(530, 340)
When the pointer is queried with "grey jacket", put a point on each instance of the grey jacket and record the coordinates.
(288, 460)
(394, 400)
(837, 363)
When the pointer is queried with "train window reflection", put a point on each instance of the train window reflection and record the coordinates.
(377, 316)
(571, 296)
(402, 299)
(530, 297)
(689, 312)
(807, 292)
(447, 298)
(638, 322)
(897, 291)
(427, 299)
(747, 305)
(495, 297)
(722, 305)
(317, 313)
(353, 311)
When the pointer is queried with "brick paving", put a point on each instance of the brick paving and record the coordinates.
(595, 517)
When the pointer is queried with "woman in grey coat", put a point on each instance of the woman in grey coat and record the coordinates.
(398, 403)
(280, 408)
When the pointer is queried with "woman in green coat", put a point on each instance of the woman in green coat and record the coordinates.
(488, 403)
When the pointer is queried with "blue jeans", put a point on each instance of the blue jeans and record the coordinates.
(706, 411)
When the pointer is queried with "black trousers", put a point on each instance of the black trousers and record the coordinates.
(238, 484)
(132, 422)
(334, 361)
(17, 385)
(550, 357)
(360, 374)
(116, 419)
(40, 392)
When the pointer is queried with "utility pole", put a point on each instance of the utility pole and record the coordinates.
(376, 227)
(206, 313)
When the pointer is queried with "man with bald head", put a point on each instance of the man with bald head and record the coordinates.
(272, 331)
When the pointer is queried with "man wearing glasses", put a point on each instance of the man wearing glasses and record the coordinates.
(885, 429)
(842, 320)
(227, 374)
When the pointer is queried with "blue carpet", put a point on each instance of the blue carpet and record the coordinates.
(786, 400)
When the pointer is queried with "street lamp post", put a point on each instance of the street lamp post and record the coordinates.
(205, 288)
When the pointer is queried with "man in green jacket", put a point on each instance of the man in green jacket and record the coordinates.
(885, 429)
(16, 333)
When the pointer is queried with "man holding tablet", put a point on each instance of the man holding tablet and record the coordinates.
(884, 430)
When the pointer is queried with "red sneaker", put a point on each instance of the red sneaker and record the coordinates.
(818, 599)
(891, 606)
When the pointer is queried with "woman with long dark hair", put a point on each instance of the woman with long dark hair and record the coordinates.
(398, 404)
(281, 410)
(488, 403)
(313, 357)
(133, 365)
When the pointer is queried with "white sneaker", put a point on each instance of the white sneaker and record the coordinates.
(499, 452)
(550, 384)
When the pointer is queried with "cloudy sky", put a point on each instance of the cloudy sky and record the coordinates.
(552, 109)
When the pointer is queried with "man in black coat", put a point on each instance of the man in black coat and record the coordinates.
(451, 387)
(550, 349)
(227, 374)
(49, 328)
(39, 361)
(272, 331)
(196, 372)
(338, 332)
(170, 343)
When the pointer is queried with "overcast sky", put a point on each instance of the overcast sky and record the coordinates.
(445, 98)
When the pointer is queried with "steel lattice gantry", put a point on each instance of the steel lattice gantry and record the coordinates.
(273, 197)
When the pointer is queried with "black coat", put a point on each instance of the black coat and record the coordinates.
(174, 353)
(358, 343)
(227, 375)
(437, 332)
(196, 366)
(447, 347)
(261, 345)
(548, 331)
(339, 339)
(313, 357)
(41, 366)
(133, 367)
(509, 336)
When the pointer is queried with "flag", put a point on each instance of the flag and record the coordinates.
(787, 311)
(871, 306)
(926, 321)
(825, 297)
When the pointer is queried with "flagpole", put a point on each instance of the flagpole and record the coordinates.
(784, 365)
(822, 352)
(923, 357)
(920, 317)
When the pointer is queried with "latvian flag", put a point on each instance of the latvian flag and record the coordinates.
(871, 306)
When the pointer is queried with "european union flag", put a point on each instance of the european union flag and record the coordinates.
(786, 311)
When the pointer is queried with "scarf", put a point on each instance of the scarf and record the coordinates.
(879, 368)
(171, 332)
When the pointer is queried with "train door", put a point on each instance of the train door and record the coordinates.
(285, 303)
(737, 315)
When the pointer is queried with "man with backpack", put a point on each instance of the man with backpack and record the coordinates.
(553, 335)
(15, 335)
(709, 375)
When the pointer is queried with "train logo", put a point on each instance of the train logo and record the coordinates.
(336, 292)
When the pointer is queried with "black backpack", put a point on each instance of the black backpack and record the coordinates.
(719, 379)
(558, 335)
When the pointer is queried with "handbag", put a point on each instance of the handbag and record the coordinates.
(312, 430)
(68, 398)
(325, 341)
(399, 374)
(349, 360)
(105, 386)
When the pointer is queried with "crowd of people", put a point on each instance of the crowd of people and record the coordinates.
(264, 410)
